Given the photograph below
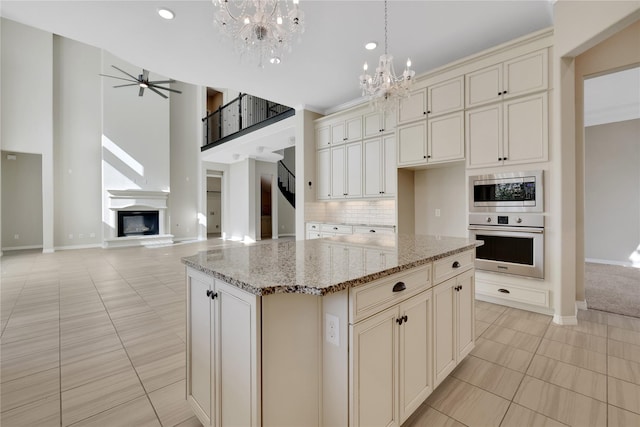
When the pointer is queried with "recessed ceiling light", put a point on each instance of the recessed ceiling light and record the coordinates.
(371, 45)
(166, 14)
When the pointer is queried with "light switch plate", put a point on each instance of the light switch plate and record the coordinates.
(332, 330)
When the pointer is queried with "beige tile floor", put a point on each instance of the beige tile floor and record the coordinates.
(96, 338)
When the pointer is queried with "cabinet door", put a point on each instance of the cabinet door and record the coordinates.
(444, 326)
(446, 97)
(337, 132)
(483, 86)
(237, 356)
(415, 355)
(414, 107)
(374, 367)
(526, 131)
(389, 121)
(323, 173)
(389, 166)
(466, 313)
(372, 167)
(373, 124)
(353, 170)
(200, 390)
(526, 74)
(337, 173)
(483, 129)
(446, 138)
(353, 129)
(323, 136)
(412, 143)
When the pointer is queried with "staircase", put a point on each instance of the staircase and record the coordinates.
(287, 183)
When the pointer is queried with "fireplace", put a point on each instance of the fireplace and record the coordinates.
(138, 223)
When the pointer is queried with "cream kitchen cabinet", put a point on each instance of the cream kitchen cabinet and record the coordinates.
(511, 132)
(436, 140)
(445, 97)
(347, 130)
(376, 123)
(516, 77)
(346, 171)
(323, 136)
(454, 323)
(379, 166)
(323, 172)
(414, 107)
(391, 371)
(223, 352)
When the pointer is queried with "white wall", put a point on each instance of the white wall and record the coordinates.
(239, 201)
(21, 201)
(27, 99)
(185, 161)
(444, 189)
(612, 191)
(305, 166)
(77, 144)
(135, 137)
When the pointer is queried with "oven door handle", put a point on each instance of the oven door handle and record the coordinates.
(499, 229)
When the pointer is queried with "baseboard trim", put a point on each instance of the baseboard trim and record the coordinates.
(72, 247)
(581, 305)
(608, 261)
(22, 248)
(565, 320)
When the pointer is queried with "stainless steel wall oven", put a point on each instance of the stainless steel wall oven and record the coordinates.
(512, 244)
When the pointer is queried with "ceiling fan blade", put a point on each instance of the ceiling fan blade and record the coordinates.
(165, 88)
(141, 91)
(129, 84)
(122, 71)
(145, 74)
(159, 82)
(161, 94)
(119, 78)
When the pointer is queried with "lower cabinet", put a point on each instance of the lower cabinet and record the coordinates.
(454, 324)
(391, 371)
(223, 352)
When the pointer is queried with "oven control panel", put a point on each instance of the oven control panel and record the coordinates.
(517, 220)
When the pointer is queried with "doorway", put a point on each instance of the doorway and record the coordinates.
(612, 197)
(214, 206)
(265, 207)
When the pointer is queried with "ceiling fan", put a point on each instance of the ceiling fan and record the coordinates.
(143, 82)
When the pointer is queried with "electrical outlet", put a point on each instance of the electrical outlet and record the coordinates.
(437, 212)
(92, 234)
(332, 331)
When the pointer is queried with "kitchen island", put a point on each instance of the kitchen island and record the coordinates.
(351, 330)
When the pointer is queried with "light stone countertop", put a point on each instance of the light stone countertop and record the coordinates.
(322, 266)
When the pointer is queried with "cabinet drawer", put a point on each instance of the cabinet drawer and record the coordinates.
(539, 297)
(313, 235)
(334, 228)
(313, 226)
(379, 295)
(373, 230)
(453, 265)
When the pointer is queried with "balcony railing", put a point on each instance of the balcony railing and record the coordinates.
(244, 114)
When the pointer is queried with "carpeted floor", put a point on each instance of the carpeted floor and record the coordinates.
(613, 288)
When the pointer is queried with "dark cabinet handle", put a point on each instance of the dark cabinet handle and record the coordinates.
(209, 292)
(504, 92)
(399, 287)
(424, 112)
(504, 158)
(399, 320)
(424, 157)
(499, 93)
(499, 158)
(335, 228)
(406, 318)
(372, 231)
(504, 291)
(428, 156)
(212, 295)
(456, 264)
(428, 112)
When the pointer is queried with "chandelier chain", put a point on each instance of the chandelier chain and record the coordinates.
(385, 27)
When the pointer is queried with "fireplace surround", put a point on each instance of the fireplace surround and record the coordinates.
(136, 218)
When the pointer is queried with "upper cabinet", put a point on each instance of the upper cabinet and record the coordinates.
(348, 130)
(376, 123)
(445, 97)
(323, 136)
(519, 76)
(414, 107)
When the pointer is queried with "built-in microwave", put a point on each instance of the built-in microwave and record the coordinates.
(507, 192)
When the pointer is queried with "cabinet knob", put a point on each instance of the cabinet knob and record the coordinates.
(209, 292)
(504, 158)
(504, 291)
(335, 228)
(499, 93)
(424, 112)
(504, 92)
(428, 156)
(399, 320)
(456, 264)
(424, 157)
(406, 318)
(399, 287)
(499, 159)
(372, 231)
(428, 112)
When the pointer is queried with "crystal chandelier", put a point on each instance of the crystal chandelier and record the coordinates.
(261, 29)
(385, 88)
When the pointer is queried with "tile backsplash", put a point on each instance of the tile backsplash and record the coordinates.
(370, 212)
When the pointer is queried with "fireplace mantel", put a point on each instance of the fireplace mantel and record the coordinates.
(129, 200)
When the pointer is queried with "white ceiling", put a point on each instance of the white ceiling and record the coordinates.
(322, 70)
